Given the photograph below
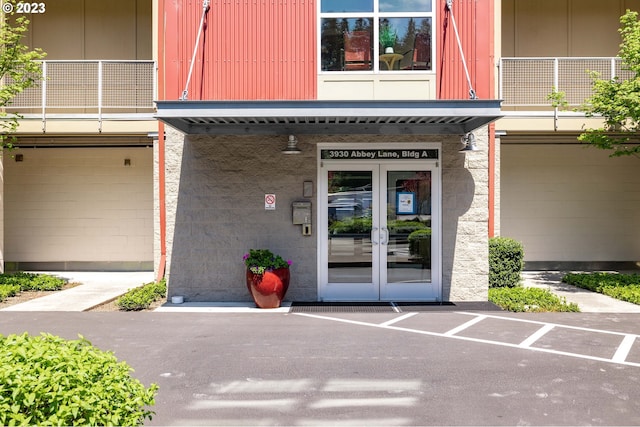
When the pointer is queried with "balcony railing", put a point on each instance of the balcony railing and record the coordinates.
(527, 82)
(90, 90)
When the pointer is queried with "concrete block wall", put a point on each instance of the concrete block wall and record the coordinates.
(570, 203)
(215, 212)
(79, 206)
(465, 220)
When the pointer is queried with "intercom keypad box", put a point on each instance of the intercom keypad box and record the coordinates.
(301, 213)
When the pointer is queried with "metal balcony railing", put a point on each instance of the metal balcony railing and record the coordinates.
(90, 90)
(527, 82)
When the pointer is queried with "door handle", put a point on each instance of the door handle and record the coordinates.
(385, 236)
(373, 235)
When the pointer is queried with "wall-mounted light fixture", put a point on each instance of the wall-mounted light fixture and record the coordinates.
(292, 146)
(469, 141)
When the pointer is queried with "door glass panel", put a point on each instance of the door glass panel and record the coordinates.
(408, 226)
(349, 226)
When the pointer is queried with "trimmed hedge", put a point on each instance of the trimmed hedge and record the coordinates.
(32, 281)
(521, 299)
(625, 287)
(506, 261)
(14, 283)
(46, 380)
(141, 298)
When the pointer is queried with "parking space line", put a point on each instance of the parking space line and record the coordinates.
(465, 325)
(619, 360)
(536, 335)
(624, 348)
(398, 319)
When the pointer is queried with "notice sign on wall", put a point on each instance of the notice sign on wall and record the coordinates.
(270, 202)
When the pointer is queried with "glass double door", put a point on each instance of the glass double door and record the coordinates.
(379, 232)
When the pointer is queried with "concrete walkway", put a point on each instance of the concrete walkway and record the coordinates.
(96, 288)
(100, 287)
(589, 302)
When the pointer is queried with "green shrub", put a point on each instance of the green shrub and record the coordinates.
(46, 380)
(7, 291)
(529, 299)
(625, 287)
(32, 281)
(141, 298)
(506, 261)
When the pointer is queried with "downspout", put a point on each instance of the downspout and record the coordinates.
(162, 205)
(492, 130)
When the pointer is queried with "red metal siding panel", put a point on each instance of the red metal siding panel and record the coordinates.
(248, 50)
(475, 23)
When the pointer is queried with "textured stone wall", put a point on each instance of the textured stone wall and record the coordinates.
(465, 221)
(215, 212)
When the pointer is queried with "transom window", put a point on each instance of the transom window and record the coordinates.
(376, 35)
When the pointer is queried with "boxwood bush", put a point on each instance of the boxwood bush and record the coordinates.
(141, 298)
(506, 261)
(46, 380)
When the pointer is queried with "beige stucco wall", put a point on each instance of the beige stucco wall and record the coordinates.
(91, 29)
(562, 27)
(79, 207)
(570, 202)
(215, 212)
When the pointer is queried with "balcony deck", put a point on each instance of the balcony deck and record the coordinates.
(90, 90)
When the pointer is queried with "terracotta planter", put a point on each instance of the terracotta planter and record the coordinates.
(268, 289)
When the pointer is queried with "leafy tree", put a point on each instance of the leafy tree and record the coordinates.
(618, 100)
(19, 69)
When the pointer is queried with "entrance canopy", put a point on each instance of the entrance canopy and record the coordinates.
(328, 117)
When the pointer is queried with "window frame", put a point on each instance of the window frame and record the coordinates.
(375, 16)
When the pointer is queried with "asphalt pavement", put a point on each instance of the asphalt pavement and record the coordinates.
(370, 369)
(436, 367)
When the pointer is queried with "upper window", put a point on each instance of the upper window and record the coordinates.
(376, 35)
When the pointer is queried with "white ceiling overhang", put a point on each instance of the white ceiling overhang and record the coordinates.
(328, 117)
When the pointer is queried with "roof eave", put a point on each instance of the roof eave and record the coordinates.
(328, 117)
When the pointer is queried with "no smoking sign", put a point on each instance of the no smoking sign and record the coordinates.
(270, 202)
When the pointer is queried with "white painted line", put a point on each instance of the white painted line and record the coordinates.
(397, 319)
(536, 335)
(476, 340)
(537, 322)
(464, 326)
(624, 348)
(395, 307)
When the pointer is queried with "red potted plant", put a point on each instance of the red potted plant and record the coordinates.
(267, 277)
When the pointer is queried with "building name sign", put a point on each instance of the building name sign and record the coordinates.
(367, 154)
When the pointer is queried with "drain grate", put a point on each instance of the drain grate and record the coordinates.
(341, 307)
(423, 306)
(389, 307)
